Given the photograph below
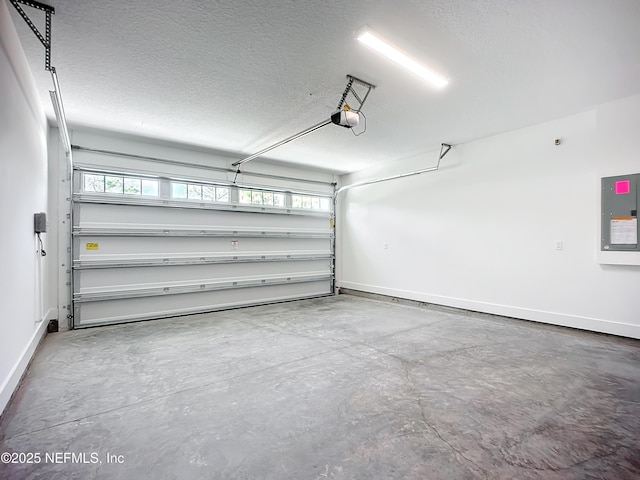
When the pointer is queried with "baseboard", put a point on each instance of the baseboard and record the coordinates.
(52, 314)
(552, 318)
(10, 385)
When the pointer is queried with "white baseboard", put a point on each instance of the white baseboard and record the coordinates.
(553, 318)
(11, 383)
(50, 315)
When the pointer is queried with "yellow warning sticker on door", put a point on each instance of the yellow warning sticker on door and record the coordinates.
(92, 246)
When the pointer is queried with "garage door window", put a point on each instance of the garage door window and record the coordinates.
(307, 202)
(259, 197)
(199, 192)
(120, 185)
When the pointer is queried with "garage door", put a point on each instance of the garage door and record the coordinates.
(148, 247)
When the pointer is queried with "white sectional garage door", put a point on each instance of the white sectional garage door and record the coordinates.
(148, 247)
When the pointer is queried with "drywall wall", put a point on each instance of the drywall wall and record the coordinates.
(483, 232)
(25, 292)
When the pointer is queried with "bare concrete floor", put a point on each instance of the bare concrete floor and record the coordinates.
(340, 387)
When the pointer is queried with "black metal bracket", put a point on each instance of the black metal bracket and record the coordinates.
(444, 149)
(44, 39)
(349, 89)
(443, 152)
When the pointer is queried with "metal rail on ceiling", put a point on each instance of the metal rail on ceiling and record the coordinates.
(444, 149)
(342, 104)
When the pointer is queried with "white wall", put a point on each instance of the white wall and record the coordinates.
(480, 233)
(25, 292)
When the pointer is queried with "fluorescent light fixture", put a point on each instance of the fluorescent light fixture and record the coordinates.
(375, 41)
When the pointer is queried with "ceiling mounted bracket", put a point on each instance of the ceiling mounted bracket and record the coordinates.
(56, 95)
(349, 89)
(44, 39)
(443, 152)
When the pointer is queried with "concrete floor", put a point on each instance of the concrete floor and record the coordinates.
(340, 387)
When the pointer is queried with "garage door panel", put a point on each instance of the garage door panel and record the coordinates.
(95, 214)
(140, 258)
(92, 248)
(91, 280)
(134, 309)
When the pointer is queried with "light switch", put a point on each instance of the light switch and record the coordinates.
(558, 244)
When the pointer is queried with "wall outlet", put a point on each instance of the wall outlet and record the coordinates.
(385, 246)
(558, 244)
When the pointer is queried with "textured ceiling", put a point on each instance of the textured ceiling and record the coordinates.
(239, 75)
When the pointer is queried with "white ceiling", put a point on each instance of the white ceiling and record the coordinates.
(239, 75)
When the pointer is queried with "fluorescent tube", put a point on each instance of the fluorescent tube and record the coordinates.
(380, 46)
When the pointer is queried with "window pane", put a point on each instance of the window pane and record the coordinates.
(245, 196)
(222, 194)
(278, 199)
(150, 188)
(132, 186)
(325, 204)
(194, 192)
(296, 201)
(93, 183)
(208, 193)
(306, 202)
(114, 184)
(315, 203)
(256, 198)
(267, 198)
(178, 190)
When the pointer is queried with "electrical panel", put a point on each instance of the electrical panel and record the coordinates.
(619, 218)
(40, 222)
